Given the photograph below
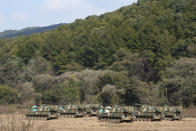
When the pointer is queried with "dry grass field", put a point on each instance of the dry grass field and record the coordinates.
(17, 122)
(14, 120)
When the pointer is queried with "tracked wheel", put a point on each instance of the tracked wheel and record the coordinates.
(117, 121)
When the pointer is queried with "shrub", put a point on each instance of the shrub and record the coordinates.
(181, 81)
(7, 95)
(119, 79)
(26, 93)
(64, 93)
(43, 82)
(108, 95)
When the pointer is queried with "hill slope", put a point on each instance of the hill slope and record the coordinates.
(27, 31)
(142, 53)
(158, 30)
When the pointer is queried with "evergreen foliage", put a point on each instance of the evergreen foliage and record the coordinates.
(136, 52)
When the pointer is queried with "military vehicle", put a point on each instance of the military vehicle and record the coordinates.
(116, 114)
(172, 113)
(94, 109)
(42, 112)
(71, 111)
(159, 111)
(147, 113)
(90, 109)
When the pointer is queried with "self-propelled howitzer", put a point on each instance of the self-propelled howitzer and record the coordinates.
(42, 112)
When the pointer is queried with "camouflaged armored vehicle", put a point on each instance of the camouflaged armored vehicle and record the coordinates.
(71, 111)
(94, 109)
(171, 113)
(116, 114)
(90, 109)
(147, 113)
(42, 112)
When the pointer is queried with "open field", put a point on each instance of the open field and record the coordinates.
(17, 122)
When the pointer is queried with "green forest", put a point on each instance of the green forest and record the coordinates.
(143, 53)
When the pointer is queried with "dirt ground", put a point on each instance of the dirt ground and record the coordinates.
(92, 124)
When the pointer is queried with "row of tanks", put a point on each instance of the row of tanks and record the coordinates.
(116, 114)
(138, 112)
(47, 112)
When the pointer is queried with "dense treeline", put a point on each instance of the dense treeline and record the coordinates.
(143, 53)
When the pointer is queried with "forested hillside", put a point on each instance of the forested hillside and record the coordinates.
(27, 31)
(142, 53)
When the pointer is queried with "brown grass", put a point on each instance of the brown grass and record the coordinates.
(10, 122)
(4, 109)
(7, 109)
(17, 122)
(13, 119)
(189, 112)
